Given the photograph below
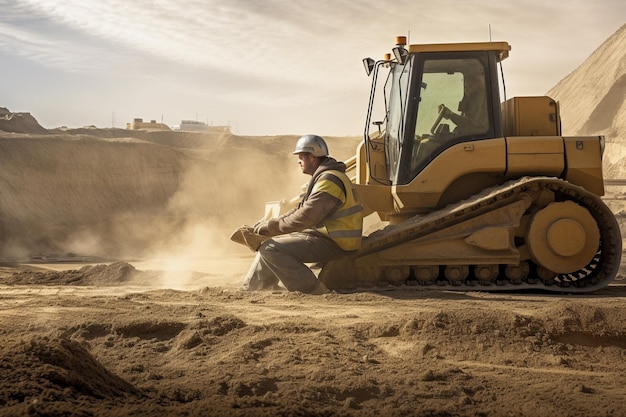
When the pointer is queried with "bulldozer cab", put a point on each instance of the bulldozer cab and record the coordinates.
(434, 96)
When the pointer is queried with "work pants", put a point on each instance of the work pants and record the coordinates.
(284, 257)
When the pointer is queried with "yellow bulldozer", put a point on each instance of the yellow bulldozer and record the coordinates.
(472, 191)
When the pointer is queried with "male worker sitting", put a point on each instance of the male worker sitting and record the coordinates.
(326, 225)
(472, 117)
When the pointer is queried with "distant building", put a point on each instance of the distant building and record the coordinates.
(139, 124)
(196, 126)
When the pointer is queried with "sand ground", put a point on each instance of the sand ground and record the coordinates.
(97, 340)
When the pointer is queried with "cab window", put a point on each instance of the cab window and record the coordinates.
(452, 107)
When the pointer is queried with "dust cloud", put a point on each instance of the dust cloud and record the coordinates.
(167, 200)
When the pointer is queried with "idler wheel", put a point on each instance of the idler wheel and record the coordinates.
(563, 237)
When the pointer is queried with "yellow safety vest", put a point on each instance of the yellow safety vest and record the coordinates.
(345, 226)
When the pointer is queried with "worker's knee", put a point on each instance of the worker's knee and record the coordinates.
(271, 251)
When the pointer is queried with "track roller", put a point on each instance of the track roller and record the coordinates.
(517, 273)
(486, 274)
(426, 275)
(456, 274)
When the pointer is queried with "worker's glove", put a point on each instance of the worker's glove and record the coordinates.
(245, 235)
(261, 228)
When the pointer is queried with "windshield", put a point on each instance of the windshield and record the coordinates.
(442, 88)
(459, 85)
(395, 114)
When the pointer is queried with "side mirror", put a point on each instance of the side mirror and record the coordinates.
(368, 63)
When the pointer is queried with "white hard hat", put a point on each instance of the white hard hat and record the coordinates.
(312, 144)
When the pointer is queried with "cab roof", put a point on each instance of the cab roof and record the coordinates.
(502, 48)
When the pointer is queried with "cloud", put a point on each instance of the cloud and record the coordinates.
(238, 55)
(237, 36)
(30, 33)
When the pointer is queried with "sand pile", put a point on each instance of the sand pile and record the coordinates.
(116, 273)
(59, 369)
(593, 100)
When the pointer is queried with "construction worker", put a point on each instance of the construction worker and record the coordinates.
(326, 225)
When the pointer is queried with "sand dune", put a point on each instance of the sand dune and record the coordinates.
(593, 100)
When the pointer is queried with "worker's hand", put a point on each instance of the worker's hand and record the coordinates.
(247, 227)
(261, 228)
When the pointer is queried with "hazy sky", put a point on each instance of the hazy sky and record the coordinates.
(265, 67)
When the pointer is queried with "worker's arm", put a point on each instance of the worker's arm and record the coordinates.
(312, 212)
(327, 196)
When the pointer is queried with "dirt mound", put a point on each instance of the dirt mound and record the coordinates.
(101, 275)
(117, 273)
(46, 370)
(19, 122)
(593, 100)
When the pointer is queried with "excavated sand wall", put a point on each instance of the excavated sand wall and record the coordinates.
(103, 193)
